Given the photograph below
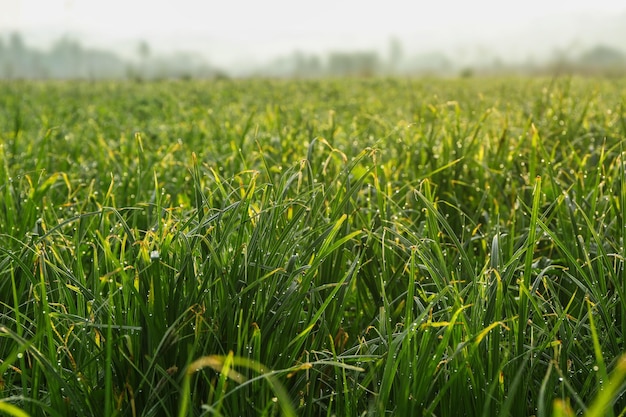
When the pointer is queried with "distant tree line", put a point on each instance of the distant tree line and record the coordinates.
(600, 59)
(68, 59)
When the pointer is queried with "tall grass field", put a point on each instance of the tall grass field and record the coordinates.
(349, 247)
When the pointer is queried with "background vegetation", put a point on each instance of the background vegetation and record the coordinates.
(68, 58)
(338, 247)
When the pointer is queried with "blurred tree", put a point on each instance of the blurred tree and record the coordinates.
(3, 53)
(353, 63)
(306, 65)
(16, 56)
(314, 65)
(67, 59)
(396, 54)
(431, 63)
(4, 60)
(602, 56)
(16, 43)
(143, 50)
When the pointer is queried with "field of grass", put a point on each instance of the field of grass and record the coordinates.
(313, 248)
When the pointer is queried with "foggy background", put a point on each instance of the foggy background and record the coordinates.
(141, 39)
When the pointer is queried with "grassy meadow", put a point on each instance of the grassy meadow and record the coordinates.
(350, 247)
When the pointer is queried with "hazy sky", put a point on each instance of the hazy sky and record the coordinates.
(247, 17)
(263, 24)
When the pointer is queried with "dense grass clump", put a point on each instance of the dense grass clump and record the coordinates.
(337, 247)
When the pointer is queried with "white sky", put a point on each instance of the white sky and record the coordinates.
(251, 22)
(135, 17)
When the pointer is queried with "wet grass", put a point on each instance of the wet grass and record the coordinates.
(337, 247)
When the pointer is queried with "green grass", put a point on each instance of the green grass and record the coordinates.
(313, 248)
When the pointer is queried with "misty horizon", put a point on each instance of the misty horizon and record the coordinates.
(472, 37)
(69, 58)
